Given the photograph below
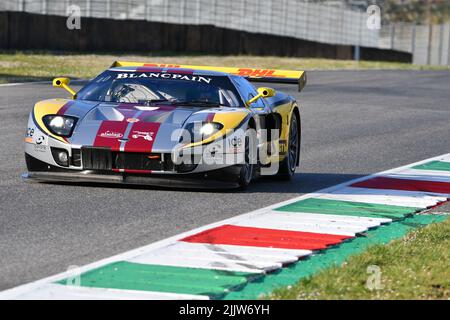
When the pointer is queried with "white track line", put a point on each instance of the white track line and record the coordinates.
(186, 261)
(383, 196)
(61, 292)
(17, 291)
(23, 83)
(329, 218)
(13, 84)
(237, 252)
(315, 227)
(259, 251)
(222, 260)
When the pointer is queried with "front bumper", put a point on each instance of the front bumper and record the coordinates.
(223, 178)
(150, 180)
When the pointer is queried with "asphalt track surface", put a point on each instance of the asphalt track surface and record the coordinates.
(354, 124)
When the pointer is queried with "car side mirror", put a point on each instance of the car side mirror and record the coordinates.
(263, 92)
(64, 83)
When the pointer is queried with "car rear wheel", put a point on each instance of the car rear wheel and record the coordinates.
(289, 164)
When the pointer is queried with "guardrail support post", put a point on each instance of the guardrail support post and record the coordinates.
(88, 8)
(392, 36)
(108, 8)
(357, 53)
(441, 43)
(44, 7)
(448, 53)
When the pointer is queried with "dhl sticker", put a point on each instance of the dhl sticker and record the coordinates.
(257, 73)
(245, 72)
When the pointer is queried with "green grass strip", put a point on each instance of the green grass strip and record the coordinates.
(412, 267)
(331, 257)
(434, 165)
(348, 208)
(135, 276)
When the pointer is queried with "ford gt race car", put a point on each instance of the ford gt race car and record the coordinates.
(167, 125)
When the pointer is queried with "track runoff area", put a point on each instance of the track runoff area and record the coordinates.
(250, 254)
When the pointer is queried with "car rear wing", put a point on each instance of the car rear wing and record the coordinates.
(251, 74)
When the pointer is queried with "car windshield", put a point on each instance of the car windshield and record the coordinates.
(150, 87)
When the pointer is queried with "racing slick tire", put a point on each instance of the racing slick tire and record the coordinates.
(287, 167)
(248, 167)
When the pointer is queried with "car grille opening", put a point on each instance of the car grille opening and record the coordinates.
(103, 159)
(75, 159)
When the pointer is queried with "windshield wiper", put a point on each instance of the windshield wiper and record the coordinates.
(151, 101)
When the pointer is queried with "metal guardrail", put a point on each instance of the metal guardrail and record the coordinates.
(294, 18)
(429, 44)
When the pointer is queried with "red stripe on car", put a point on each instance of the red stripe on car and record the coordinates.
(110, 133)
(64, 108)
(148, 69)
(131, 171)
(260, 237)
(142, 136)
(163, 65)
(210, 117)
(181, 71)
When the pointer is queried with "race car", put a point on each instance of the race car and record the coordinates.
(167, 125)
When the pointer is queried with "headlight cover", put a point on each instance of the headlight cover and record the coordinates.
(60, 125)
(199, 131)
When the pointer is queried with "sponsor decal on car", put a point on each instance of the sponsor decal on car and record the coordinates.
(174, 76)
(234, 142)
(30, 132)
(40, 148)
(41, 140)
(29, 135)
(257, 73)
(141, 134)
(132, 120)
(111, 134)
(162, 65)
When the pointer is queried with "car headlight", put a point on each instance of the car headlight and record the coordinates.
(199, 131)
(60, 125)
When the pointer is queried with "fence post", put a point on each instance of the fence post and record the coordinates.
(357, 55)
(213, 13)
(448, 53)
(197, 13)
(242, 15)
(183, 11)
(88, 8)
(296, 28)
(430, 37)
(392, 36)
(270, 17)
(108, 8)
(285, 6)
(441, 43)
(44, 7)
